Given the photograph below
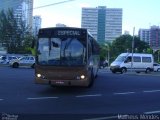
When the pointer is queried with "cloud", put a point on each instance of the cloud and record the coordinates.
(84, 5)
(51, 20)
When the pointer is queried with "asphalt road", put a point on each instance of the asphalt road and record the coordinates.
(111, 96)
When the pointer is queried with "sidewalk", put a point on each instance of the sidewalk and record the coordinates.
(130, 72)
(4, 65)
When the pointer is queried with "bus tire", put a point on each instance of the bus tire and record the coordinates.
(96, 74)
(33, 65)
(91, 81)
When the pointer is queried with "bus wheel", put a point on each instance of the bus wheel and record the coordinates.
(91, 81)
(96, 74)
(123, 70)
(15, 65)
(33, 65)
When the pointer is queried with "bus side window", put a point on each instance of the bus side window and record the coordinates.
(89, 47)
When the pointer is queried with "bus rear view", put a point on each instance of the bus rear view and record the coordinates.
(63, 57)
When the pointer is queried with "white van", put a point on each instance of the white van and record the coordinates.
(141, 63)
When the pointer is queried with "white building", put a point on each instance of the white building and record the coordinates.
(36, 24)
(90, 20)
(105, 24)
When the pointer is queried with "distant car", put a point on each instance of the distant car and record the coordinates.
(27, 61)
(103, 64)
(156, 67)
(5, 59)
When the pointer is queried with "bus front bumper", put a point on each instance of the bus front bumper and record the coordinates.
(75, 82)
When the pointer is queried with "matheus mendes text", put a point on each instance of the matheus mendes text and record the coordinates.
(139, 117)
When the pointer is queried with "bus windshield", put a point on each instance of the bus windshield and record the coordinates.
(61, 52)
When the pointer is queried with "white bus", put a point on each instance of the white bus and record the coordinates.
(140, 63)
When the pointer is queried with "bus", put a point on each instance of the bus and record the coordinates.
(66, 56)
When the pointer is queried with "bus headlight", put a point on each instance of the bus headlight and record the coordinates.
(39, 75)
(82, 77)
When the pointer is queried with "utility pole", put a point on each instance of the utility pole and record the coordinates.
(132, 49)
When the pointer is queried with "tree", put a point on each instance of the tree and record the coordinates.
(103, 52)
(156, 55)
(14, 32)
(124, 44)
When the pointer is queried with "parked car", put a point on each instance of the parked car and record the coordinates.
(27, 61)
(156, 67)
(103, 64)
(5, 59)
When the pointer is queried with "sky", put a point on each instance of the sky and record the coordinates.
(136, 13)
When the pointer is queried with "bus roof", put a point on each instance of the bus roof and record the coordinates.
(62, 31)
(51, 28)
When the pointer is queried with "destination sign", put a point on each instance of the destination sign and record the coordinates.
(68, 32)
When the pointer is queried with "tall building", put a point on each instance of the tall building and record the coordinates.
(105, 24)
(144, 35)
(21, 8)
(155, 37)
(151, 36)
(36, 24)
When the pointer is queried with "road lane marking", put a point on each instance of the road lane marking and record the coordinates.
(149, 91)
(40, 98)
(152, 112)
(95, 95)
(125, 93)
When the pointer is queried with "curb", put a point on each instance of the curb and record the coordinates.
(4, 65)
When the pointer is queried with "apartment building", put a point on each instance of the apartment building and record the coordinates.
(105, 24)
(155, 37)
(37, 20)
(144, 35)
(151, 36)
